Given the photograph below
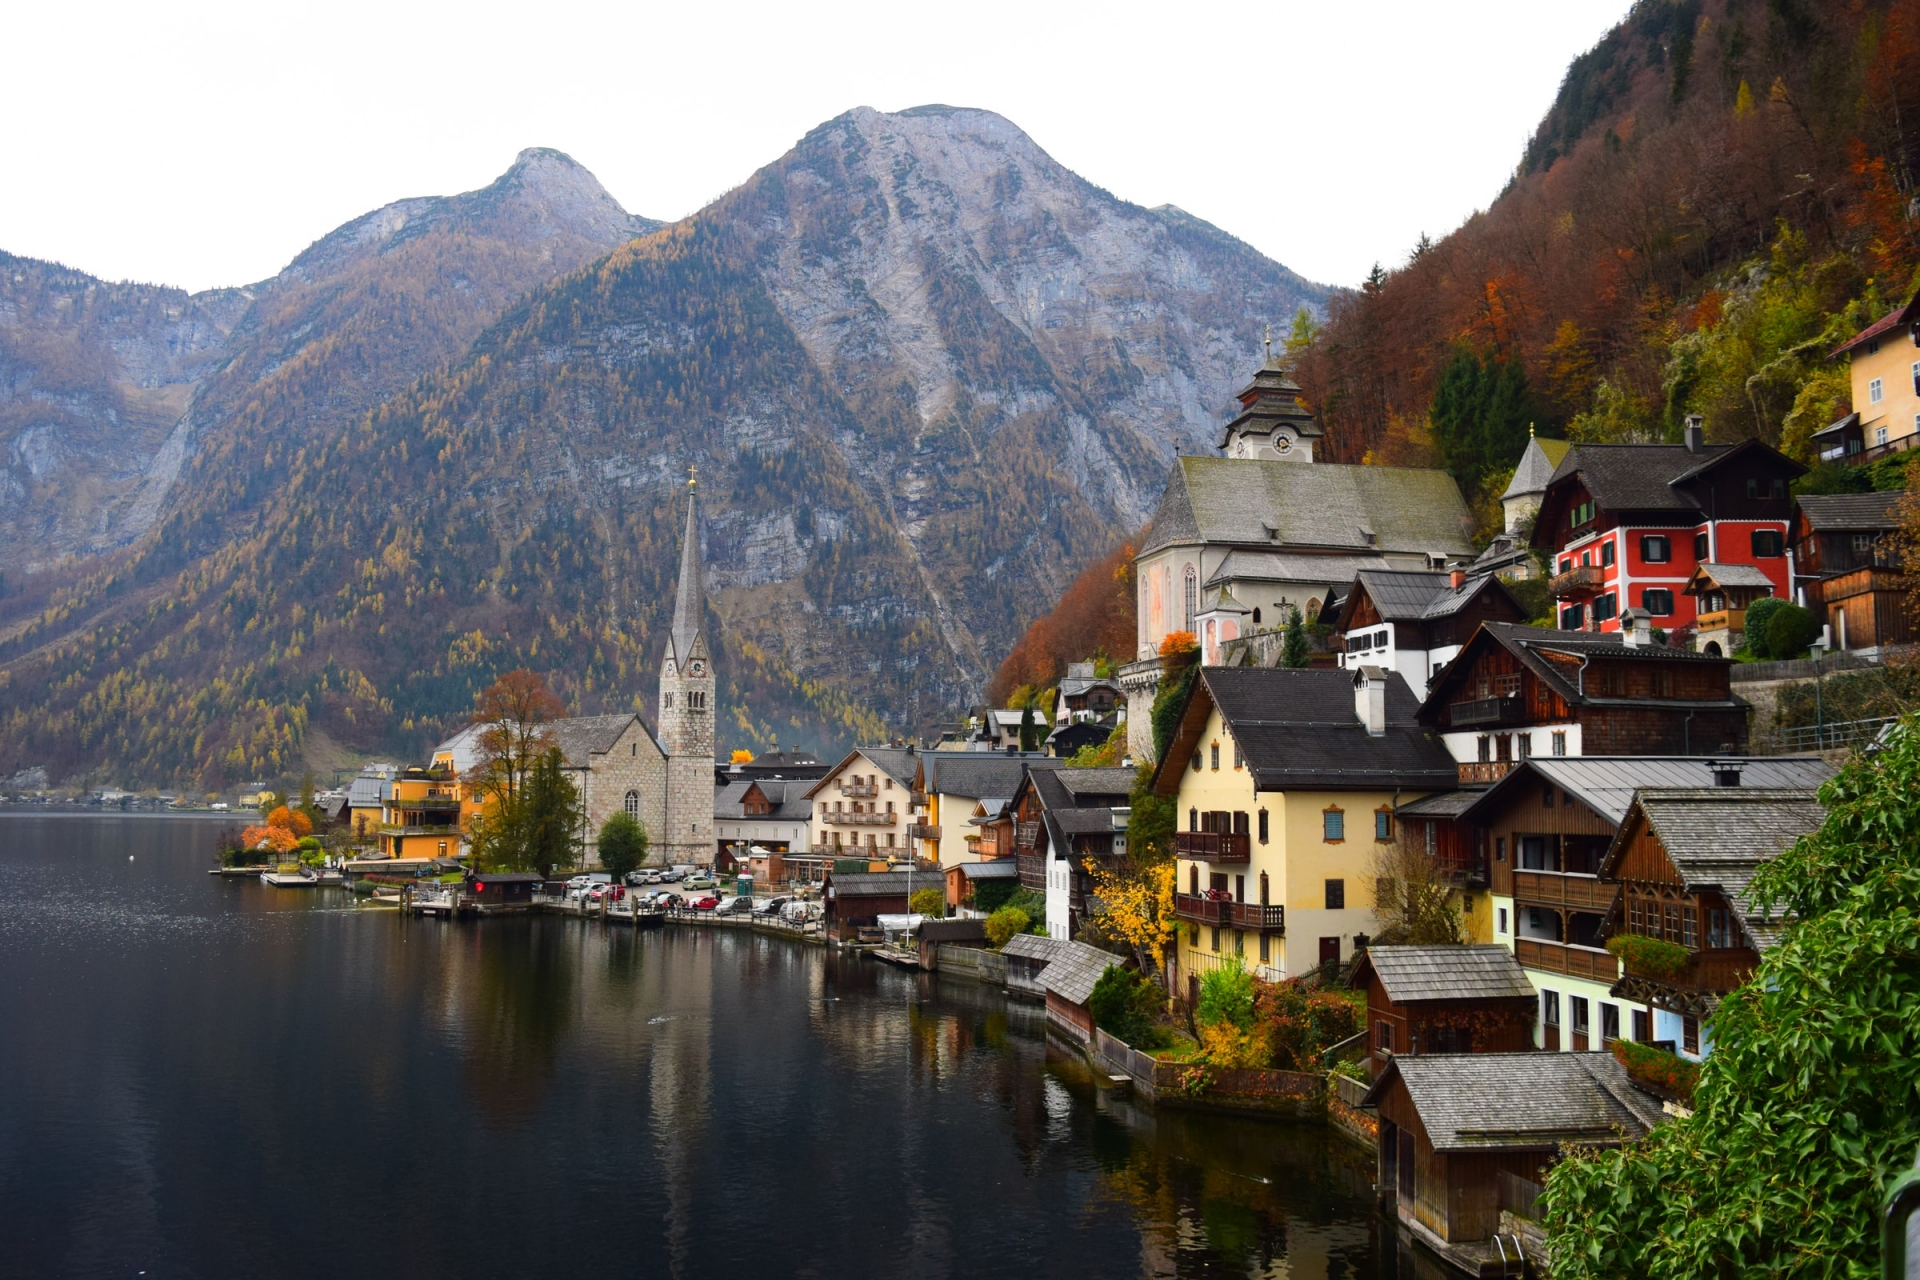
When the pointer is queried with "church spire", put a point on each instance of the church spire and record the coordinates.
(690, 605)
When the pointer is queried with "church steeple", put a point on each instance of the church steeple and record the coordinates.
(690, 604)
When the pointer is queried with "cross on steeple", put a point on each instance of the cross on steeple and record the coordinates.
(690, 475)
(1269, 343)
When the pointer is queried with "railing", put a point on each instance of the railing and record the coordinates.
(923, 831)
(1213, 846)
(1027, 834)
(839, 819)
(1478, 771)
(1575, 962)
(1252, 915)
(1563, 889)
(1199, 909)
(396, 829)
(1822, 737)
(1719, 969)
(1578, 580)
(860, 790)
(1201, 962)
(1501, 709)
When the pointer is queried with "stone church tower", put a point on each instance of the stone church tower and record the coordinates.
(686, 714)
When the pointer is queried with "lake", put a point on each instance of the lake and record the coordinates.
(213, 1078)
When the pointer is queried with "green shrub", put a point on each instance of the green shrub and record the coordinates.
(1300, 1023)
(1790, 631)
(1226, 995)
(1126, 1006)
(928, 902)
(1759, 614)
(1006, 923)
(1654, 957)
(991, 895)
(622, 844)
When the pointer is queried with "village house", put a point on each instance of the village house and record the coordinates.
(855, 900)
(1416, 622)
(420, 816)
(1443, 999)
(1883, 364)
(1463, 1136)
(1546, 828)
(1681, 861)
(1284, 783)
(964, 879)
(1266, 529)
(951, 788)
(1628, 523)
(1065, 820)
(367, 797)
(1085, 695)
(788, 764)
(1845, 568)
(771, 813)
(1720, 595)
(862, 807)
(1515, 692)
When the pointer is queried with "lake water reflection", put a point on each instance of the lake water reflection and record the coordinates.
(207, 1078)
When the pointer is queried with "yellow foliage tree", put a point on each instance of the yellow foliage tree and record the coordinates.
(1139, 902)
(742, 756)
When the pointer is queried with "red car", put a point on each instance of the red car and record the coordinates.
(707, 903)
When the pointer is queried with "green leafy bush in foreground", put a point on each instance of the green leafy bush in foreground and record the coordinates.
(1126, 1006)
(1810, 1101)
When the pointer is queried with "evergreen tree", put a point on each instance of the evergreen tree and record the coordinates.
(1482, 410)
(1293, 648)
(622, 844)
(1029, 730)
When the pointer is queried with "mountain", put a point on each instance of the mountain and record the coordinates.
(1721, 192)
(924, 374)
(109, 391)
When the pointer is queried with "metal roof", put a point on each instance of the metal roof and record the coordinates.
(1447, 804)
(997, 869)
(1414, 974)
(1606, 784)
(1524, 1101)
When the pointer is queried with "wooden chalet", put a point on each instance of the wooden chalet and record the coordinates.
(1444, 999)
(1069, 815)
(1518, 692)
(1846, 571)
(856, 900)
(964, 878)
(1682, 860)
(1721, 594)
(1463, 1136)
(1416, 622)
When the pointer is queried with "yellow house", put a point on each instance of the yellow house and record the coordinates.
(420, 816)
(1285, 783)
(1883, 362)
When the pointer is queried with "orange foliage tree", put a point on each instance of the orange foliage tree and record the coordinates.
(291, 820)
(515, 710)
(1095, 617)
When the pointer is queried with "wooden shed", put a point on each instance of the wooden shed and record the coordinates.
(1464, 1135)
(856, 900)
(502, 890)
(1069, 980)
(1447, 999)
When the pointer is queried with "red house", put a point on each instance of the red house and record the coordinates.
(1629, 523)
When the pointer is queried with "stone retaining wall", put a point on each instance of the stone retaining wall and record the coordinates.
(971, 962)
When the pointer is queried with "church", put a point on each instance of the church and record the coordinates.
(665, 782)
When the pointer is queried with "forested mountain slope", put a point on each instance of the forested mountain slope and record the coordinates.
(924, 374)
(1722, 190)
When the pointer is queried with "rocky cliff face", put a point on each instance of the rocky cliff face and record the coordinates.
(924, 374)
(108, 392)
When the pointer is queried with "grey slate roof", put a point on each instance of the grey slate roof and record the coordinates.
(1606, 784)
(998, 869)
(976, 774)
(880, 884)
(369, 793)
(581, 736)
(1717, 837)
(1032, 946)
(898, 763)
(1414, 974)
(1866, 512)
(1411, 595)
(1284, 566)
(1447, 804)
(1074, 969)
(1733, 575)
(787, 795)
(1260, 504)
(1082, 783)
(1298, 728)
(1520, 1101)
(1636, 477)
(1536, 467)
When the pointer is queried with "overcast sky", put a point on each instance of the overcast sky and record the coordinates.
(201, 143)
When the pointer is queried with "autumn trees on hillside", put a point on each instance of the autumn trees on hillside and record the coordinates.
(1095, 616)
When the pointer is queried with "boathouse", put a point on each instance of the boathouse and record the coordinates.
(856, 900)
(502, 890)
(1447, 999)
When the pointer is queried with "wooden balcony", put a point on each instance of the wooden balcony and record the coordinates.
(1251, 915)
(1224, 847)
(1581, 580)
(1718, 971)
(837, 818)
(1200, 909)
(1555, 889)
(1575, 962)
(860, 790)
(1476, 772)
(1497, 710)
(923, 831)
(1721, 620)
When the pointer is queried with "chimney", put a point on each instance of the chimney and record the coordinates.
(1634, 632)
(1458, 578)
(1696, 434)
(1726, 773)
(1370, 700)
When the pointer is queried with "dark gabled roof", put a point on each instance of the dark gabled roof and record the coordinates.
(898, 763)
(977, 774)
(1299, 729)
(1447, 804)
(1884, 325)
(1606, 784)
(1531, 645)
(1642, 477)
(1074, 969)
(1846, 512)
(506, 877)
(1335, 507)
(1519, 1101)
(580, 737)
(1414, 974)
(1405, 595)
(788, 796)
(998, 869)
(1717, 837)
(878, 884)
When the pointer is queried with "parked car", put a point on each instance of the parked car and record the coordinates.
(611, 892)
(736, 906)
(702, 882)
(771, 907)
(635, 879)
(800, 912)
(707, 903)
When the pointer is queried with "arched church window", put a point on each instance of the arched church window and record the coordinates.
(1191, 596)
(633, 805)
(669, 702)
